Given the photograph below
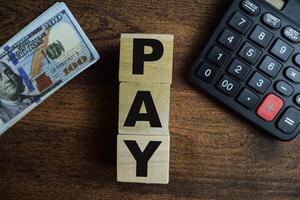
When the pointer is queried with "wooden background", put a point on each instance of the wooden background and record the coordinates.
(66, 148)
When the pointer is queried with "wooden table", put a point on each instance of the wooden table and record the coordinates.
(66, 148)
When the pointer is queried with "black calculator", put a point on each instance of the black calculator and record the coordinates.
(251, 63)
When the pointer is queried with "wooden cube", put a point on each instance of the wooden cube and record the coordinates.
(143, 159)
(144, 109)
(146, 58)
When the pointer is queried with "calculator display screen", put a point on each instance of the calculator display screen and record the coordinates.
(279, 4)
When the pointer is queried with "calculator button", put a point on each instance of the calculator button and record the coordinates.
(207, 72)
(270, 66)
(229, 39)
(259, 83)
(248, 99)
(289, 121)
(282, 50)
(293, 74)
(238, 69)
(218, 56)
(240, 23)
(297, 59)
(261, 36)
(297, 99)
(271, 21)
(284, 88)
(228, 86)
(270, 107)
(250, 7)
(292, 34)
(250, 53)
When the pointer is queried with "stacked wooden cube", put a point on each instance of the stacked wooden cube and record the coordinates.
(143, 147)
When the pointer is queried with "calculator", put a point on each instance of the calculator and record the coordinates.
(251, 63)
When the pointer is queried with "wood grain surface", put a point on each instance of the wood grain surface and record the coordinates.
(66, 148)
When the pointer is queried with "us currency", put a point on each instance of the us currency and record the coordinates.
(39, 60)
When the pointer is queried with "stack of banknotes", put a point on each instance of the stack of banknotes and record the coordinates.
(39, 60)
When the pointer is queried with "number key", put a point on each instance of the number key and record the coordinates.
(240, 23)
(207, 72)
(250, 53)
(270, 66)
(238, 69)
(282, 50)
(261, 36)
(228, 86)
(218, 56)
(259, 83)
(229, 39)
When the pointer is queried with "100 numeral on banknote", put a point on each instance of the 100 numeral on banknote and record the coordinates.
(35, 64)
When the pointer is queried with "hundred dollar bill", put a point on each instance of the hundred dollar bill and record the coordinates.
(39, 60)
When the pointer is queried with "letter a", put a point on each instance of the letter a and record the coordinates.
(151, 114)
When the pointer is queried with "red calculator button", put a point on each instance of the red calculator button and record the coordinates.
(270, 107)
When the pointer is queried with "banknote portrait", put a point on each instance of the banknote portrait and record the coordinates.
(12, 100)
